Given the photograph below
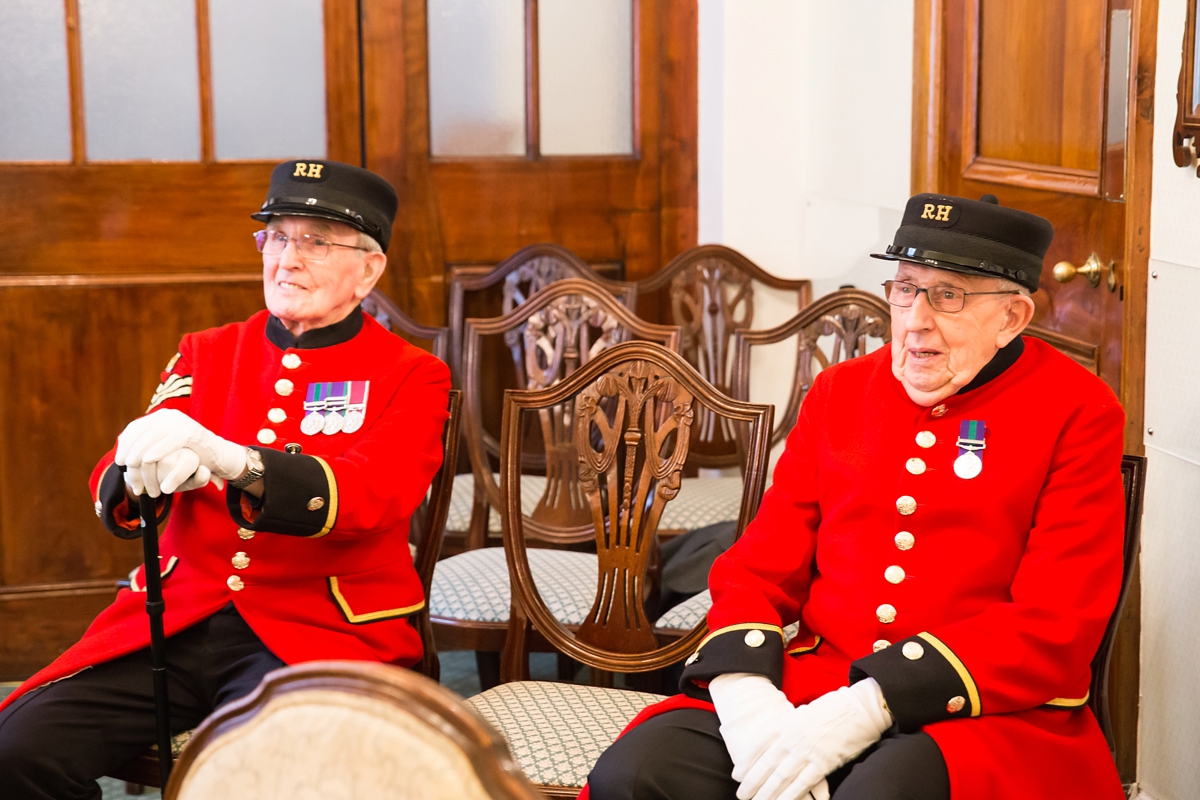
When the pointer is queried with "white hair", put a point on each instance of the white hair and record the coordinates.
(368, 243)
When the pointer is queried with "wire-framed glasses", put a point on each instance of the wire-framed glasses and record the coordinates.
(313, 247)
(948, 299)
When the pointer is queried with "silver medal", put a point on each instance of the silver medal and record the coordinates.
(353, 421)
(333, 423)
(968, 465)
(312, 424)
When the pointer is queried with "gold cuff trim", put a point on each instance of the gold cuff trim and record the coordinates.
(744, 626)
(332, 505)
(373, 616)
(803, 649)
(1069, 702)
(133, 584)
(963, 673)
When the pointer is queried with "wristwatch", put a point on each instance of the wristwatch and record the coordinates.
(254, 470)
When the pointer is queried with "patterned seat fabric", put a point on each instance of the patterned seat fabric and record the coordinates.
(474, 585)
(463, 494)
(556, 731)
(688, 614)
(702, 501)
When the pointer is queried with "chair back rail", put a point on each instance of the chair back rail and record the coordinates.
(389, 315)
(520, 276)
(553, 333)
(711, 291)
(634, 406)
(420, 702)
(849, 316)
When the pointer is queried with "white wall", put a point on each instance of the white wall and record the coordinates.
(805, 113)
(1169, 739)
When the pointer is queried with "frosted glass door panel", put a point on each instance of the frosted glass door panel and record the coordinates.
(141, 85)
(477, 77)
(35, 100)
(585, 66)
(268, 78)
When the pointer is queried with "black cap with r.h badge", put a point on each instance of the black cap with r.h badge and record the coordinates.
(976, 237)
(332, 190)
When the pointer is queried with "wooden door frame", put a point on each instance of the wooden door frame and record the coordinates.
(928, 137)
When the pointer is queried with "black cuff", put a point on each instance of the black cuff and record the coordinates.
(299, 497)
(922, 682)
(112, 501)
(756, 648)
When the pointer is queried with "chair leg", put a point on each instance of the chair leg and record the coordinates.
(567, 668)
(488, 664)
(134, 788)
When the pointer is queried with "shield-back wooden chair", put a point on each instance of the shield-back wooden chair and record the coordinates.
(435, 339)
(555, 332)
(345, 730)
(633, 409)
(839, 326)
(711, 291)
(482, 292)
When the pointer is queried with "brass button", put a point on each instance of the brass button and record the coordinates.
(886, 613)
(938, 411)
(284, 387)
(246, 533)
(956, 704)
(266, 436)
(915, 466)
(905, 540)
(894, 574)
(755, 638)
(277, 415)
(926, 439)
(880, 644)
(291, 360)
(912, 651)
(240, 560)
(692, 659)
(293, 448)
(316, 504)
(906, 505)
(235, 583)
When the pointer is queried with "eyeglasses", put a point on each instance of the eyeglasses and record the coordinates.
(948, 299)
(309, 246)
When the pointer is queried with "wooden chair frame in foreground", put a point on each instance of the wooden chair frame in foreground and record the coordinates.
(652, 394)
(437, 708)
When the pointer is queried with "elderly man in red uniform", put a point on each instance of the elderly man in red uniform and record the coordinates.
(945, 528)
(295, 447)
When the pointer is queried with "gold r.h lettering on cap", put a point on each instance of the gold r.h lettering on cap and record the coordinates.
(936, 212)
(305, 170)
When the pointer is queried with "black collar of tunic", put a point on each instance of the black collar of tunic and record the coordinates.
(1005, 357)
(337, 333)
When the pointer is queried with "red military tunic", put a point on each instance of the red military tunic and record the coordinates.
(320, 567)
(976, 603)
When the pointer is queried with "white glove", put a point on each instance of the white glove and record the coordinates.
(152, 438)
(180, 471)
(752, 713)
(816, 740)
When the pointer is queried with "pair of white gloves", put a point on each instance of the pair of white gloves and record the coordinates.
(784, 752)
(168, 451)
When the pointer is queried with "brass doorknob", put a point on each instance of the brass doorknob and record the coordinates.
(1065, 271)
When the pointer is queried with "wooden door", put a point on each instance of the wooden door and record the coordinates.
(1048, 106)
(107, 261)
(628, 211)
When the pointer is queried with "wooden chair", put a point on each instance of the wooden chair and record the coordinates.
(554, 333)
(633, 409)
(345, 730)
(836, 327)
(428, 526)
(389, 315)
(711, 291)
(492, 292)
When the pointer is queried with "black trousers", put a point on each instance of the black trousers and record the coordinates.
(680, 755)
(55, 741)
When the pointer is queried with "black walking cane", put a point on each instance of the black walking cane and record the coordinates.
(158, 641)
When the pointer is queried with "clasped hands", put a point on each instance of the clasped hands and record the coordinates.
(168, 451)
(783, 752)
